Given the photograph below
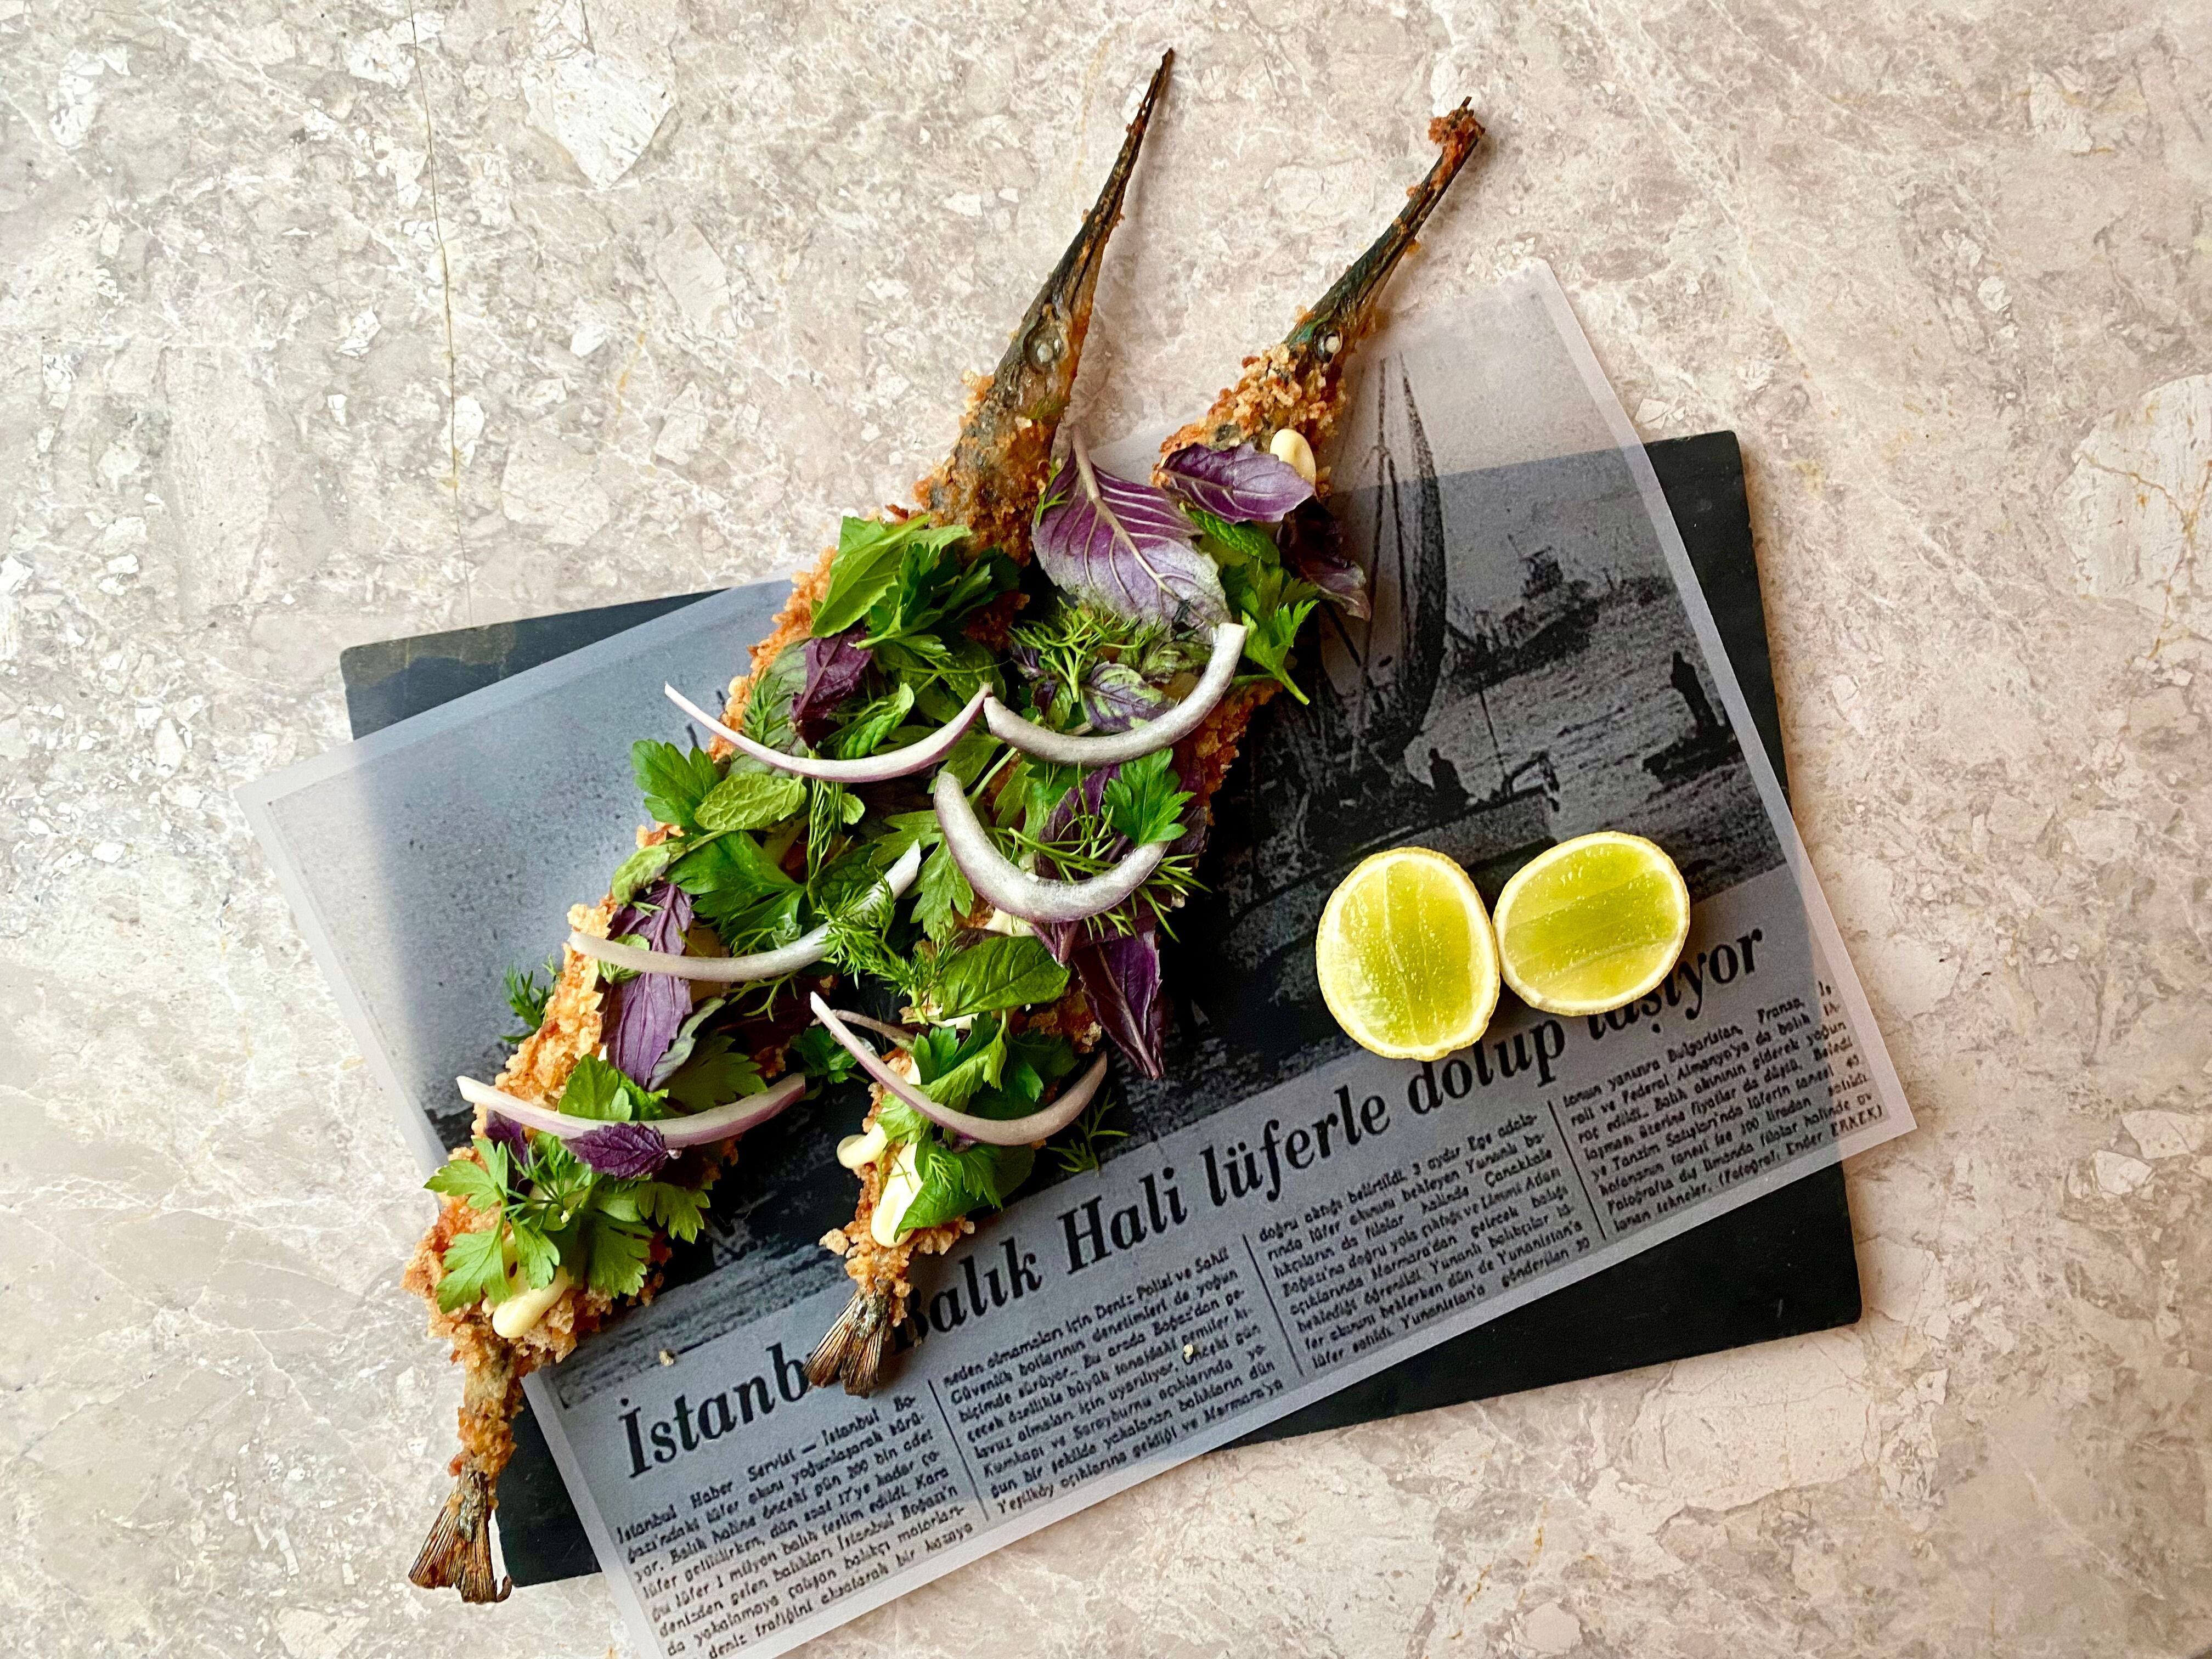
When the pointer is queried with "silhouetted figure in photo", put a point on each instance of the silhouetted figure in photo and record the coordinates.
(1444, 778)
(1693, 693)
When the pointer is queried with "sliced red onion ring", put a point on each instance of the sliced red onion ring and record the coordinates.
(993, 1131)
(699, 1129)
(904, 1038)
(1104, 749)
(870, 769)
(1016, 891)
(801, 953)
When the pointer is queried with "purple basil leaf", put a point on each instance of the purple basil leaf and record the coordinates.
(1311, 545)
(1115, 697)
(1126, 548)
(834, 668)
(1121, 978)
(506, 1132)
(1241, 486)
(643, 1015)
(625, 1150)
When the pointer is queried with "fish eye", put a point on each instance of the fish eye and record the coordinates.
(1044, 345)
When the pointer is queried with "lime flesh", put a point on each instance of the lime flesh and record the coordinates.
(1593, 924)
(1406, 958)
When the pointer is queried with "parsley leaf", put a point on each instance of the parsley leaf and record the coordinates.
(870, 555)
(475, 1268)
(466, 1179)
(618, 1252)
(720, 1071)
(942, 896)
(1274, 605)
(678, 1210)
(1141, 800)
(752, 800)
(535, 1253)
(995, 971)
(820, 1056)
(601, 1092)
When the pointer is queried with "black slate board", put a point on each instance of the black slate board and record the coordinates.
(1781, 1266)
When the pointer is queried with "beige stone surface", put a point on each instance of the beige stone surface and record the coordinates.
(326, 324)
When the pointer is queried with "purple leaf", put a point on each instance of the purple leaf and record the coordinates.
(1126, 548)
(834, 668)
(1311, 545)
(1121, 978)
(1115, 697)
(623, 1150)
(1241, 486)
(506, 1132)
(644, 1014)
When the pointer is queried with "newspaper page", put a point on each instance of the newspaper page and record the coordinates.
(1288, 1213)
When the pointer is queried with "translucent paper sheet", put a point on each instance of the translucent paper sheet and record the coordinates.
(1289, 1213)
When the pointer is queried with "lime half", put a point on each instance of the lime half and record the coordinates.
(1407, 960)
(1592, 924)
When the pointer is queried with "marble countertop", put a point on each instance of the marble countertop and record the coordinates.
(325, 324)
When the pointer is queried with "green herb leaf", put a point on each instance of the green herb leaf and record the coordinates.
(679, 1211)
(730, 865)
(820, 1056)
(619, 1253)
(942, 896)
(1274, 605)
(718, 1073)
(753, 799)
(954, 1184)
(868, 562)
(1142, 800)
(1232, 543)
(951, 1065)
(461, 1178)
(475, 1268)
(866, 731)
(643, 867)
(528, 997)
(535, 1253)
(993, 972)
(597, 1091)
(674, 780)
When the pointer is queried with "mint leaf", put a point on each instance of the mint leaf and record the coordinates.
(475, 1268)
(866, 731)
(464, 1179)
(1232, 543)
(674, 780)
(643, 867)
(869, 555)
(1142, 801)
(752, 800)
(941, 895)
(996, 972)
